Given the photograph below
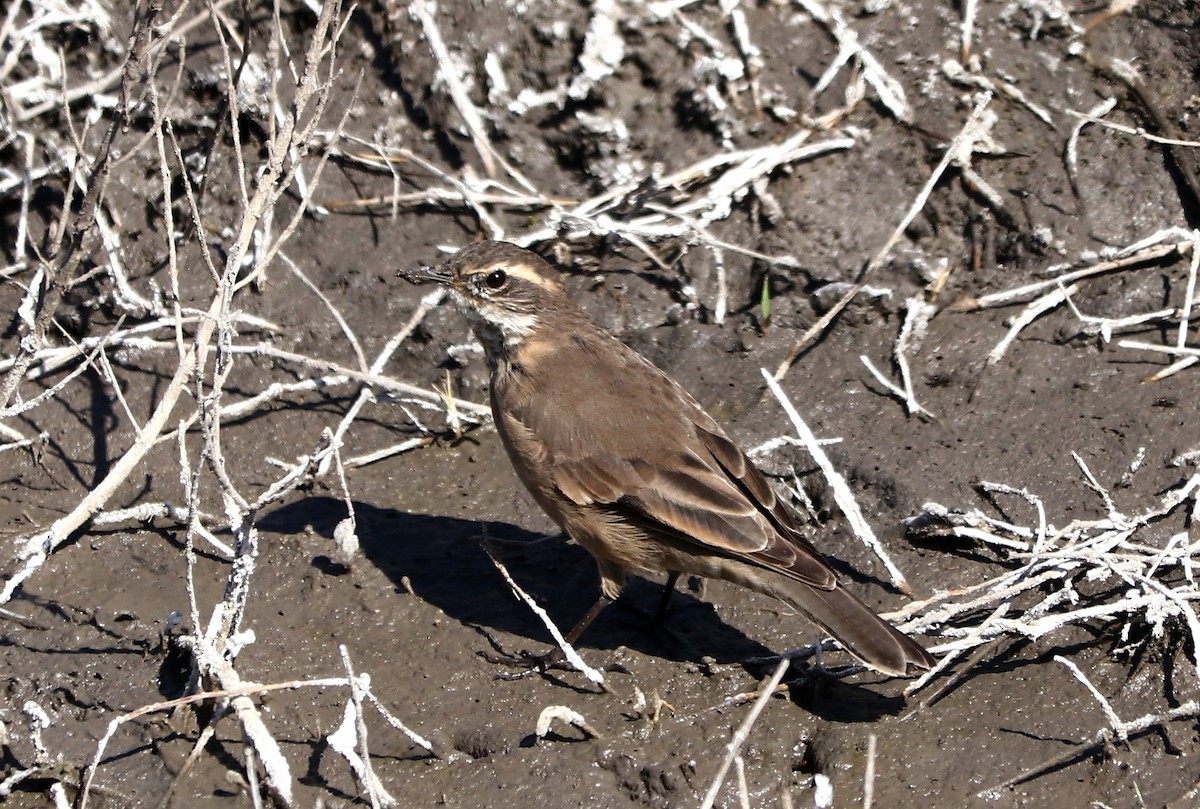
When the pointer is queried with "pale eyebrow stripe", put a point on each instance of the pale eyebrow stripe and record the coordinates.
(521, 271)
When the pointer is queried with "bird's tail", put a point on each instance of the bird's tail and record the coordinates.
(864, 634)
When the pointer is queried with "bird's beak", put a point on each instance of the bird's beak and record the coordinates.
(425, 275)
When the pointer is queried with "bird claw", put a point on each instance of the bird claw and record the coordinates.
(528, 662)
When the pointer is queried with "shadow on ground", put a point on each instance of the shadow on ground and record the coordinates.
(442, 560)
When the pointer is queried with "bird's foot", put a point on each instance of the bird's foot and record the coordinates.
(528, 663)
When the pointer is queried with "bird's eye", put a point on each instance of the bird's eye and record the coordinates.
(495, 279)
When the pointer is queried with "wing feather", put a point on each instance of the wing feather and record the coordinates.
(663, 464)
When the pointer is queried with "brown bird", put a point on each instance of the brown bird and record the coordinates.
(629, 465)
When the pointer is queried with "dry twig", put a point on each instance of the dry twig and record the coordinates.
(743, 732)
(841, 491)
(1059, 570)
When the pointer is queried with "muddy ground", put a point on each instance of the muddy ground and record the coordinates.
(421, 601)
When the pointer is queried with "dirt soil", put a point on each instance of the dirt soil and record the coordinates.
(421, 602)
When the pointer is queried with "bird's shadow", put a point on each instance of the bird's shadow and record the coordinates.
(443, 561)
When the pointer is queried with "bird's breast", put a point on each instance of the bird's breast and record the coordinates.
(532, 463)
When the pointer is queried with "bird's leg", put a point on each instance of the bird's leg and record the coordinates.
(668, 591)
(597, 608)
(555, 658)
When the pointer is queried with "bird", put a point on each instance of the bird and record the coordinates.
(630, 466)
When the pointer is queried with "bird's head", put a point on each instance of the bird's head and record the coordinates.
(507, 291)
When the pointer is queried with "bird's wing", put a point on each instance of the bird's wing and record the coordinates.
(682, 478)
(730, 509)
(787, 549)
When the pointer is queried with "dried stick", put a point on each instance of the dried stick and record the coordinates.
(423, 11)
(36, 549)
(216, 648)
(384, 383)
(958, 74)
(958, 150)
(57, 277)
(243, 690)
(964, 55)
(917, 314)
(869, 774)
(427, 303)
(752, 60)
(413, 736)
(1147, 251)
(743, 733)
(148, 512)
(355, 728)
(890, 91)
(841, 491)
(573, 657)
(1071, 150)
(1189, 296)
(1117, 729)
(1032, 311)
(1053, 562)
(1094, 118)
